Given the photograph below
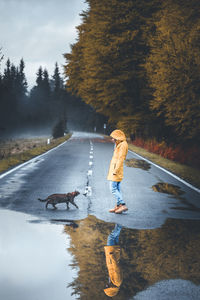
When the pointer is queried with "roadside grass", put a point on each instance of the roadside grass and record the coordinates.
(19, 151)
(189, 174)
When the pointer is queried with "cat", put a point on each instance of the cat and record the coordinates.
(61, 198)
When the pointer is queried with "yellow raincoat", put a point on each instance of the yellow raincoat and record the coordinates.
(112, 261)
(116, 166)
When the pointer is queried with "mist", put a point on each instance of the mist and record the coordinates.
(47, 108)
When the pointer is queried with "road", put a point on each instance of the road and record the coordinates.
(82, 164)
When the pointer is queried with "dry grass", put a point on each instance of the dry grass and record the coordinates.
(14, 152)
(187, 173)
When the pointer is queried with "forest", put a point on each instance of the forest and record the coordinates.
(137, 62)
(46, 109)
(135, 66)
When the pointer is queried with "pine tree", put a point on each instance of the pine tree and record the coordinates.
(59, 96)
(1, 58)
(8, 94)
(40, 97)
(7, 73)
(39, 78)
(22, 78)
(57, 81)
(46, 85)
(13, 92)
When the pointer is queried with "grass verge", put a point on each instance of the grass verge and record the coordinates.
(18, 158)
(189, 174)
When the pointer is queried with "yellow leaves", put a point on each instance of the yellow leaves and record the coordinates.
(103, 62)
(173, 69)
(132, 57)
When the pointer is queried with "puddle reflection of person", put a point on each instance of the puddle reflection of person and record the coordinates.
(112, 253)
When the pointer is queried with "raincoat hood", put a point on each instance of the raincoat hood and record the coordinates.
(118, 135)
(115, 172)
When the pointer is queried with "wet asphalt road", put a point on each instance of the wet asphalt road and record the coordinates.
(82, 164)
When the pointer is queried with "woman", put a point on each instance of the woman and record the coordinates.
(115, 174)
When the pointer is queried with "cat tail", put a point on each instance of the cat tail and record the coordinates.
(42, 200)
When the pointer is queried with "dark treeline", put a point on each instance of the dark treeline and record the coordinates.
(138, 63)
(47, 109)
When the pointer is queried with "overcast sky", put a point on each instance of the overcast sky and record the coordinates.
(39, 31)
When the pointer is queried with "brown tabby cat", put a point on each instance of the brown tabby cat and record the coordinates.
(61, 198)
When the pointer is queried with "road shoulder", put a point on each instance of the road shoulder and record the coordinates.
(187, 173)
(17, 159)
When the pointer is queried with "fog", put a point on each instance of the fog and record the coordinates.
(78, 117)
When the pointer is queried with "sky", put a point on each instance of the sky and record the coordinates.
(39, 31)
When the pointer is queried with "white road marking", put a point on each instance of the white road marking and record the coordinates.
(89, 193)
(168, 172)
(88, 189)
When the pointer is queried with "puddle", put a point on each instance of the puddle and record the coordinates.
(34, 260)
(167, 188)
(146, 257)
(91, 259)
(174, 190)
(137, 163)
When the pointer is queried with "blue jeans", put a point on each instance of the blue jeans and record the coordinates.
(116, 191)
(113, 238)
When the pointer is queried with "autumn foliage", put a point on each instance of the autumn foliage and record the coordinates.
(184, 155)
(137, 62)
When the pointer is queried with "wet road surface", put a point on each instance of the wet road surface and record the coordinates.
(159, 240)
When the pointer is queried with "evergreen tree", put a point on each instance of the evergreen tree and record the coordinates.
(46, 85)
(13, 92)
(39, 78)
(57, 86)
(1, 58)
(59, 95)
(7, 73)
(22, 78)
(40, 97)
(57, 81)
(21, 91)
(8, 97)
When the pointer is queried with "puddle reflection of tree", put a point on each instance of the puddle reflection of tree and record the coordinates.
(147, 256)
(175, 192)
(167, 188)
